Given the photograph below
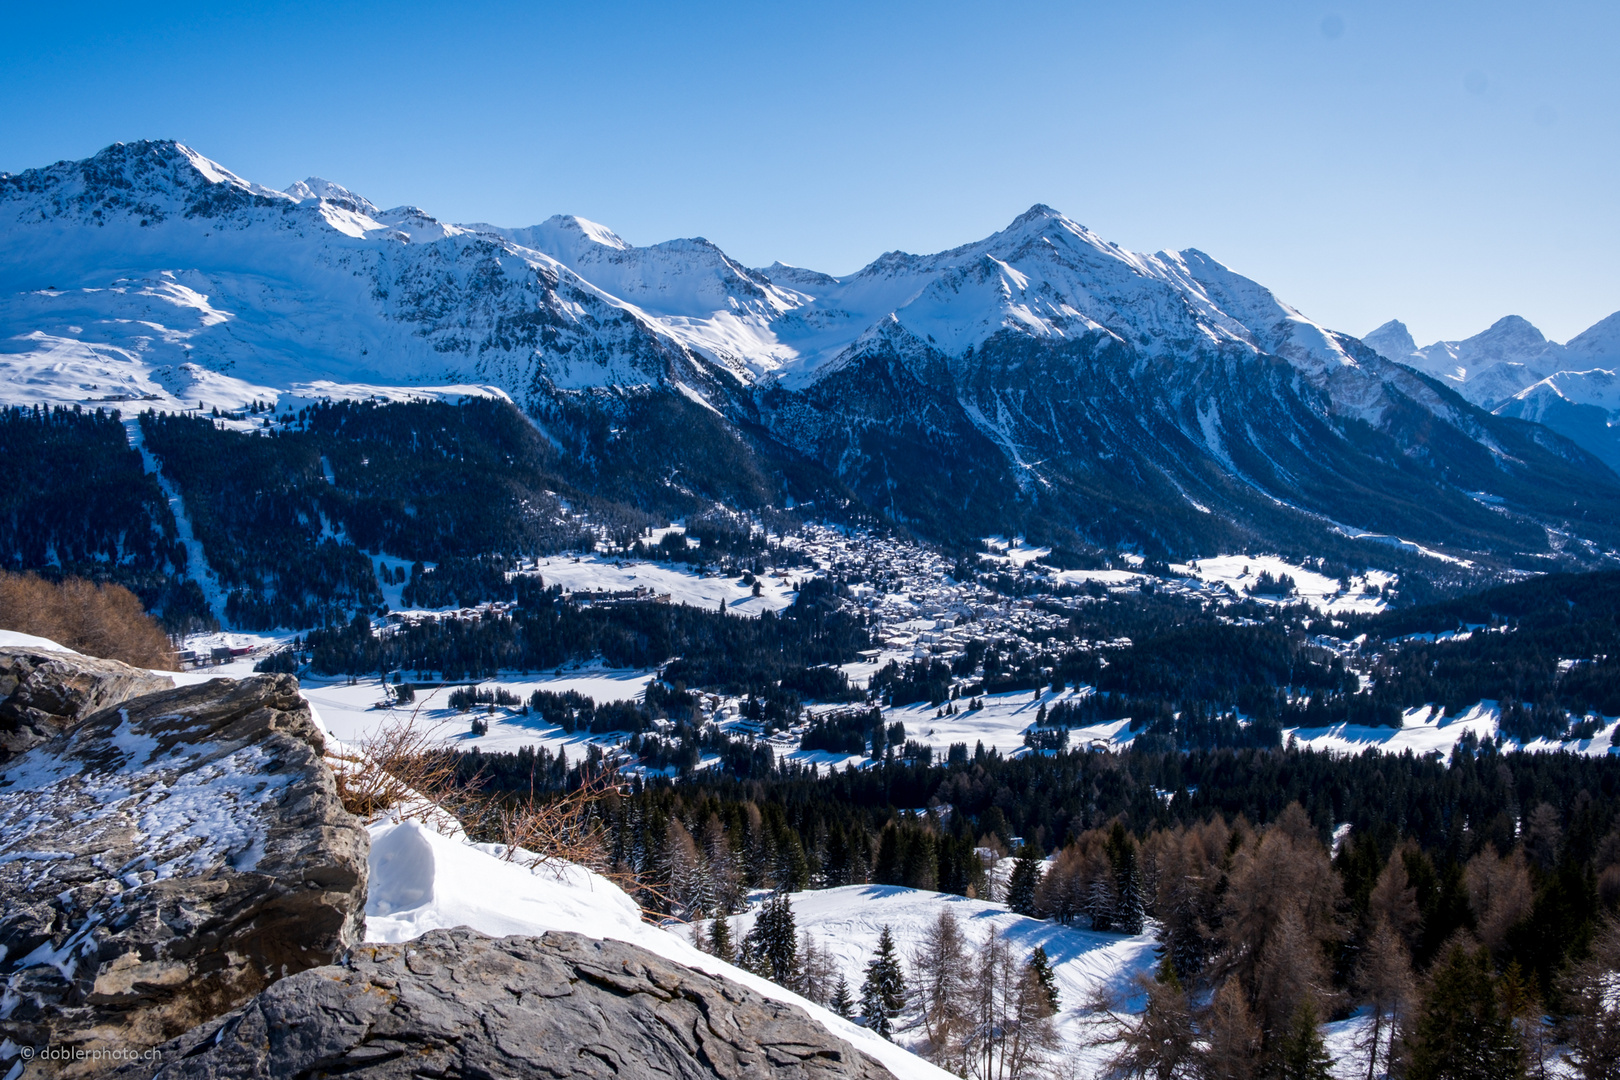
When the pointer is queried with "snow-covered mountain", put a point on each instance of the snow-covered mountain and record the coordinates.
(1042, 378)
(1513, 370)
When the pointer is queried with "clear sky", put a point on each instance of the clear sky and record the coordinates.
(1444, 163)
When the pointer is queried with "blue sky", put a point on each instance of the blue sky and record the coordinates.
(1444, 163)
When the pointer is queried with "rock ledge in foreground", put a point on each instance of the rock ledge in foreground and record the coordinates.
(164, 861)
(44, 693)
(457, 1003)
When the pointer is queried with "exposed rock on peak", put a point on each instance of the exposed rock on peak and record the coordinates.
(457, 1003)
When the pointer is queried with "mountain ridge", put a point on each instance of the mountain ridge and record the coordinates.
(1040, 378)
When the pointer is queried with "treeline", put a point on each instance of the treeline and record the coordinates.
(78, 502)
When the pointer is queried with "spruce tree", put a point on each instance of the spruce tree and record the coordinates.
(883, 993)
(1129, 914)
(1041, 965)
(888, 870)
(1301, 1054)
(720, 940)
(842, 1003)
(1462, 1031)
(1021, 886)
(773, 944)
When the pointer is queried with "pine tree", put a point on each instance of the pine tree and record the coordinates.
(1462, 1032)
(883, 993)
(1025, 879)
(1301, 1054)
(1041, 965)
(841, 1002)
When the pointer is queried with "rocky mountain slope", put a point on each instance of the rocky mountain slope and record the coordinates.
(1041, 380)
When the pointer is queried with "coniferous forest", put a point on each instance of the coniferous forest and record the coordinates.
(1271, 879)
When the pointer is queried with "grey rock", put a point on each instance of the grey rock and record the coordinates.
(44, 693)
(164, 861)
(455, 1003)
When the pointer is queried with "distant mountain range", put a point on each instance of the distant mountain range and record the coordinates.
(1042, 380)
(1512, 370)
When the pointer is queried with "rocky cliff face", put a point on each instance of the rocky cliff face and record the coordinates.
(164, 860)
(457, 1003)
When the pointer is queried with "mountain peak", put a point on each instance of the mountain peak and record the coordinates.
(1391, 340)
(316, 188)
(1037, 212)
(145, 180)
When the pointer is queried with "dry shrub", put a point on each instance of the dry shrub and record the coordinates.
(98, 620)
(402, 770)
(399, 768)
(552, 833)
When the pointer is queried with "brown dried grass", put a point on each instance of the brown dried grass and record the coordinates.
(97, 620)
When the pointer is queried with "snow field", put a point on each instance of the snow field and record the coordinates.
(847, 921)
(586, 574)
(1423, 733)
(1237, 572)
(351, 715)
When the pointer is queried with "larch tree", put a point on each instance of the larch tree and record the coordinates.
(1593, 1025)
(1231, 1036)
(1387, 987)
(940, 974)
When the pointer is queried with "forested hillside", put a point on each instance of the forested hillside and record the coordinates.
(286, 512)
(1276, 879)
(78, 502)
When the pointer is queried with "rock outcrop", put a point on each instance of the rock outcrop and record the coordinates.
(44, 693)
(457, 1003)
(163, 861)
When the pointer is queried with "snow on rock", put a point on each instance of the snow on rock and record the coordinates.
(422, 881)
(46, 690)
(166, 859)
(462, 1004)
